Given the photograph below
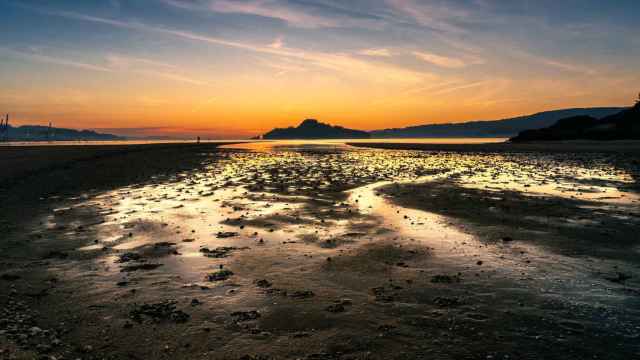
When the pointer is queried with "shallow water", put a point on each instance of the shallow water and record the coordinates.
(303, 194)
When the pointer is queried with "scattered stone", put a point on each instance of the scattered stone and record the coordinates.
(219, 275)
(129, 256)
(386, 329)
(220, 252)
(9, 277)
(136, 267)
(447, 301)
(226, 234)
(300, 334)
(240, 316)
(162, 244)
(619, 278)
(263, 283)
(163, 311)
(56, 255)
(335, 308)
(381, 294)
(301, 294)
(445, 279)
(255, 357)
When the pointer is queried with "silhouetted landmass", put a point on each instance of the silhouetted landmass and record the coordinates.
(494, 128)
(43, 133)
(624, 125)
(313, 129)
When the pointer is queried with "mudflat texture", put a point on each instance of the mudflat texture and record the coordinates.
(30, 173)
(323, 251)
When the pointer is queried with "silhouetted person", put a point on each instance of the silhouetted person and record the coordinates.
(198, 140)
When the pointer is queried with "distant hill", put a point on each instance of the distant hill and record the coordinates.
(493, 128)
(43, 133)
(313, 129)
(623, 125)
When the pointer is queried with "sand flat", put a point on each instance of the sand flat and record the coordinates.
(319, 250)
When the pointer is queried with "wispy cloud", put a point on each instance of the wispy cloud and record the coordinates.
(451, 89)
(284, 67)
(174, 77)
(340, 62)
(278, 43)
(296, 14)
(151, 67)
(53, 60)
(275, 10)
(435, 16)
(382, 52)
(554, 63)
(127, 62)
(439, 60)
(317, 14)
(113, 63)
(432, 87)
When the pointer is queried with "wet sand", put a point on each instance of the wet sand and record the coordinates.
(325, 251)
(31, 174)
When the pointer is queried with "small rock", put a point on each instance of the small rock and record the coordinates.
(219, 275)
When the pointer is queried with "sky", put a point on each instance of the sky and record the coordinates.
(237, 68)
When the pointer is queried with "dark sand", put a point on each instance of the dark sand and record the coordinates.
(31, 174)
(321, 252)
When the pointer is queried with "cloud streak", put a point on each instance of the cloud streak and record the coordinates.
(439, 60)
(309, 15)
(274, 10)
(150, 67)
(380, 52)
(54, 60)
(116, 63)
(437, 17)
(554, 63)
(340, 62)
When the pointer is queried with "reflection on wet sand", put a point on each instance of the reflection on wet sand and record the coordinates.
(324, 251)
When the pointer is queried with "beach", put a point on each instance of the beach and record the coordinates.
(321, 250)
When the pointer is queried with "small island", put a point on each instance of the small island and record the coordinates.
(313, 129)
